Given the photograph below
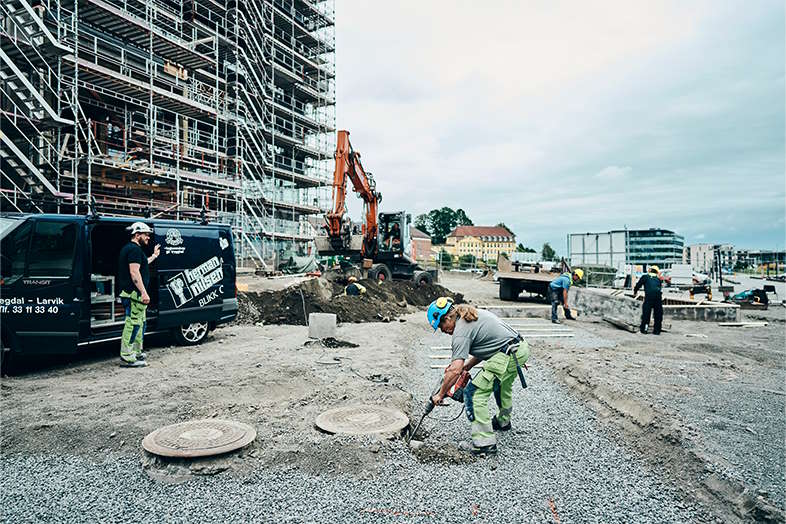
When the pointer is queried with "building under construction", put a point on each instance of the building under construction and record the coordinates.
(173, 109)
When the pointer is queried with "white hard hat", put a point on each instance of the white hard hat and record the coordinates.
(139, 227)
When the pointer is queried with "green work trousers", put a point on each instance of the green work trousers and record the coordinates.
(135, 324)
(497, 378)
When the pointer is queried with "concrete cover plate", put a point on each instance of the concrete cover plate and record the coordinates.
(362, 420)
(199, 438)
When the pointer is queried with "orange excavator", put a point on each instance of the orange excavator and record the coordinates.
(337, 223)
(382, 243)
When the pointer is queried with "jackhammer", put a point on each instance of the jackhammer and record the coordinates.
(456, 393)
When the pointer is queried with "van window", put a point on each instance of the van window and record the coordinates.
(52, 250)
(13, 253)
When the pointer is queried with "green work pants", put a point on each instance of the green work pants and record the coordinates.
(497, 377)
(135, 324)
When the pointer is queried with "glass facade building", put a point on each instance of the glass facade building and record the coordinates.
(626, 246)
(654, 246)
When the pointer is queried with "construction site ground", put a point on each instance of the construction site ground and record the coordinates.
(614, 427)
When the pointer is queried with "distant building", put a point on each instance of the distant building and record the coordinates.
(700, 257)
(621, 247)
(484, 242)
(420, 244)
(704, 257)
(757, 257)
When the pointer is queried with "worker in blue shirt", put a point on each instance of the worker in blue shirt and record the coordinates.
(558, 292)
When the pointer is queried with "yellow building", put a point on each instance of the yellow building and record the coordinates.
(484, 242)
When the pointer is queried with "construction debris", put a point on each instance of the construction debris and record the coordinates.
(743, 324)
(616, 322)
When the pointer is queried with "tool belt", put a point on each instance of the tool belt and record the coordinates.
(511, 349)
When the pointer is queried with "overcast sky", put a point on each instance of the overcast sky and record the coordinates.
(558, 117)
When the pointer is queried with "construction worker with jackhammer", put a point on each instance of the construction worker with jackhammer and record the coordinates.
(480, 336)
(653, 300)
(558, 293)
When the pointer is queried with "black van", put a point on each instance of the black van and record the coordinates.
(58, 280)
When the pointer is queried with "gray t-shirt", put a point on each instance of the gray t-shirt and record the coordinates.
(481, 338)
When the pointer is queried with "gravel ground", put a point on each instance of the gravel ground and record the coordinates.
(558, 456)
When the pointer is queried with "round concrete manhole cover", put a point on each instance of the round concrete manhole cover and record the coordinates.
(199, 438)
(362, 420)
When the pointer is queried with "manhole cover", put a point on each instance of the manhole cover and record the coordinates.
(199, 438)
(362, 420)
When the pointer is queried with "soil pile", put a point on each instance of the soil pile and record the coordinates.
(382, 302)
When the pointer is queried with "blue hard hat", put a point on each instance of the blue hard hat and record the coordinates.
(437, 310)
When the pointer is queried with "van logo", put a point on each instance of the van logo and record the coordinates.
(174, 241)
(223, 242)
(191, 283)
(173, 237)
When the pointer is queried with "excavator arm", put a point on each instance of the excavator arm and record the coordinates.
(337, 224)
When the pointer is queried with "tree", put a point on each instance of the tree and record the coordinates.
(502, 224)
(422, 223)
(521, 249)
(548, 252)
(467, 260)
(438, 223)
(445, 259)
(462, 219)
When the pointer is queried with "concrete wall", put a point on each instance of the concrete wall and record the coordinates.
(599, 303)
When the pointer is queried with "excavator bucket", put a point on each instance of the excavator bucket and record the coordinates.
(327, 246)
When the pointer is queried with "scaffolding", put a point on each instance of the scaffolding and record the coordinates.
(171, 109)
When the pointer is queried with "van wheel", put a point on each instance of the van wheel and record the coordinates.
(191, 334)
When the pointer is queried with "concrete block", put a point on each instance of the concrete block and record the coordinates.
(601, 303)
(321, 325)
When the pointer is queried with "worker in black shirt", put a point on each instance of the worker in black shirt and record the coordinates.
(133, 277)
(653, 299)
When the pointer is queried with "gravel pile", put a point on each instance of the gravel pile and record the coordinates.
(556, 461)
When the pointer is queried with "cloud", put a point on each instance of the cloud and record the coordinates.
(700, 236)
(613, 172)
(517, 112)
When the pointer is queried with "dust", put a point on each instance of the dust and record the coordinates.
(382, 302)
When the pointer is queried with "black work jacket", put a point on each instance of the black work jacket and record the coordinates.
(651, 285)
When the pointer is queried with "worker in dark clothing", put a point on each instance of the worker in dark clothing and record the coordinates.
(653, 299)
(133, 278)
(393, 237)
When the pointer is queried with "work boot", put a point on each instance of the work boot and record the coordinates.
(132, 363)
(497, 427)
(555, 321)
(478, 450)
(141, 356)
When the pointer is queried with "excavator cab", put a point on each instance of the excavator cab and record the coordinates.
(394, 232)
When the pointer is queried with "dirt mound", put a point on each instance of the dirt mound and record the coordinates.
(381, 302)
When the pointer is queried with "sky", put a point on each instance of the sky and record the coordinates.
(571, 117)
